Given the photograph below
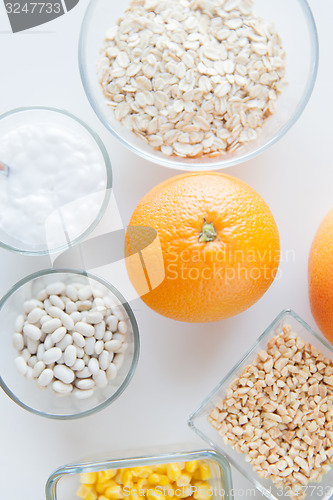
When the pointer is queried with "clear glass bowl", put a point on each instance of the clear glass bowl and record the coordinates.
(60, 223)
(25, 392)
(294, 22)
(64, 482)
(199, 423)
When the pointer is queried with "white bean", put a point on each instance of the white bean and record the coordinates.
(78, 365)
(85, 373)
(55, 312)
(79, 394)
(32, 345)
(123, 348)
(70, 355)
(32, 361)
(57, 302)
(76, 316)
(80, 352)
(44, 319)
(98, 302)
(47, 305)
(85, 384)
(48, 342)
(118, 360)
(85, 329)
(99, 347)
(86, 359)
(79, 340)
(94, 317)
(112, 345)
(25, 354)
(18, 341)
(65, 299)
(122, 327)
(89, 348)
(56, 288)
(118, 312)
(93, 366)
(65, 342)
(104, 360)
(112, 323)
(58, 334)
(83, 305)
(28, 373)
(111, 372)
(109, 301)
(40, 352)
(119, 336)
(42, 295)
(38, 368)
(62, 388)
(70, 307)
(35, 315)
(107, 336)
(100, 330)
(85, 293)
(51, 325)
(67, 321)
(19, 323)
(71, 292)
(98, 293)
(100, 379)
(21, 365)
(45, 377)
(52, 355)
(32, 331)
(29, 305)
(63, 373)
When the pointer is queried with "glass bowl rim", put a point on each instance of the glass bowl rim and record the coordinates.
(232, 373)
(136, 343)
(108, 187)
(201, 166)
(77, 468)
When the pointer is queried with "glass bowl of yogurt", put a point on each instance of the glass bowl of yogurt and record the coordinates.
(70, 343)
(58, 182)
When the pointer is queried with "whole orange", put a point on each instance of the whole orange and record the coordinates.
(321, 277)
(202, 247)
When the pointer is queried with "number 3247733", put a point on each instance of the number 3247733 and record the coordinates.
(33, 7)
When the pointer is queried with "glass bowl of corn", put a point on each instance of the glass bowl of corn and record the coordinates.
(199, 475)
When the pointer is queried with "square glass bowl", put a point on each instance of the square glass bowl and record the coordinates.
(64, 482)
(198, 420)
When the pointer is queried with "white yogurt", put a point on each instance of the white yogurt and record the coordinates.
(57, 181)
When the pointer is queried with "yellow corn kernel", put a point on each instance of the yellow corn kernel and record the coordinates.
(105, 475)
(173, 471)
(126, 477)
(88, 477)
(185, 491)
(204, 492)
(83, 491)
(134, 494)
(101, 487)
(154, 494)
(154, 479)
(102, 498)
(142, 472)
(142, 482)
(184, 479)
(114, 492)
(191, 466)
(91, 496)
(205, 472)
(160, 468)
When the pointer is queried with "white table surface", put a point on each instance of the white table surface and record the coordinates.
(179, 363)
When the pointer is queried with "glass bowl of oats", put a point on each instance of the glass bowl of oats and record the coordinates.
(198, 84)
(272, 414)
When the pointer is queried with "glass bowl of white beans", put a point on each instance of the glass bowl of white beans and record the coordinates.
(148, 75)
(70, 343)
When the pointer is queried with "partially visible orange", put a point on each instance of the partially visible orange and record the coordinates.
(219, 242)
(321, 277)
